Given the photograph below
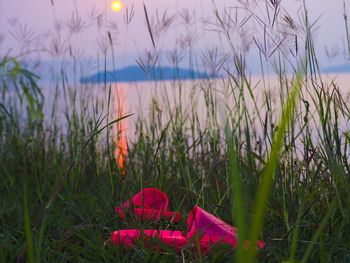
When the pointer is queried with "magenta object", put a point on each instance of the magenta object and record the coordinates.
(204, 230)
(150, 203)
(209, 229)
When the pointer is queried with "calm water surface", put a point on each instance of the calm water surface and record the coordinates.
(187, 96)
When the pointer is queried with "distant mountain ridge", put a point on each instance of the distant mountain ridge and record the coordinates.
(136, 73)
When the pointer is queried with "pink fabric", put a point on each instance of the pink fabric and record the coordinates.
(204, 229)
(209, 229)
(202, 226)
(261, 244)
(150, 203)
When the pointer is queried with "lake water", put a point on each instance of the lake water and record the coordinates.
(190, 96)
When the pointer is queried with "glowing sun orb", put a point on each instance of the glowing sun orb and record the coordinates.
(116, 6)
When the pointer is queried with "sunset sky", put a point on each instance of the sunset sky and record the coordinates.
(40, 16)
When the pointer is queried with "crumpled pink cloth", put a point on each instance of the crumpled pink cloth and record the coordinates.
(204, 230)
(209, 229)
(150, 203)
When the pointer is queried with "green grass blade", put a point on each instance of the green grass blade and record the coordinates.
(318, 232)
(237, 198)
(27, 227)
(267, 175)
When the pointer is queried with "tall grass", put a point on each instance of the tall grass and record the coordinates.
(271, 159)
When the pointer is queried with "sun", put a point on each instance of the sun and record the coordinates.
(116, 6)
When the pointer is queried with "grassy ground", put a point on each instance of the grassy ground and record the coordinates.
(279, 175)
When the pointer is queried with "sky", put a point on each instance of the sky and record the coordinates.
(39, 17)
